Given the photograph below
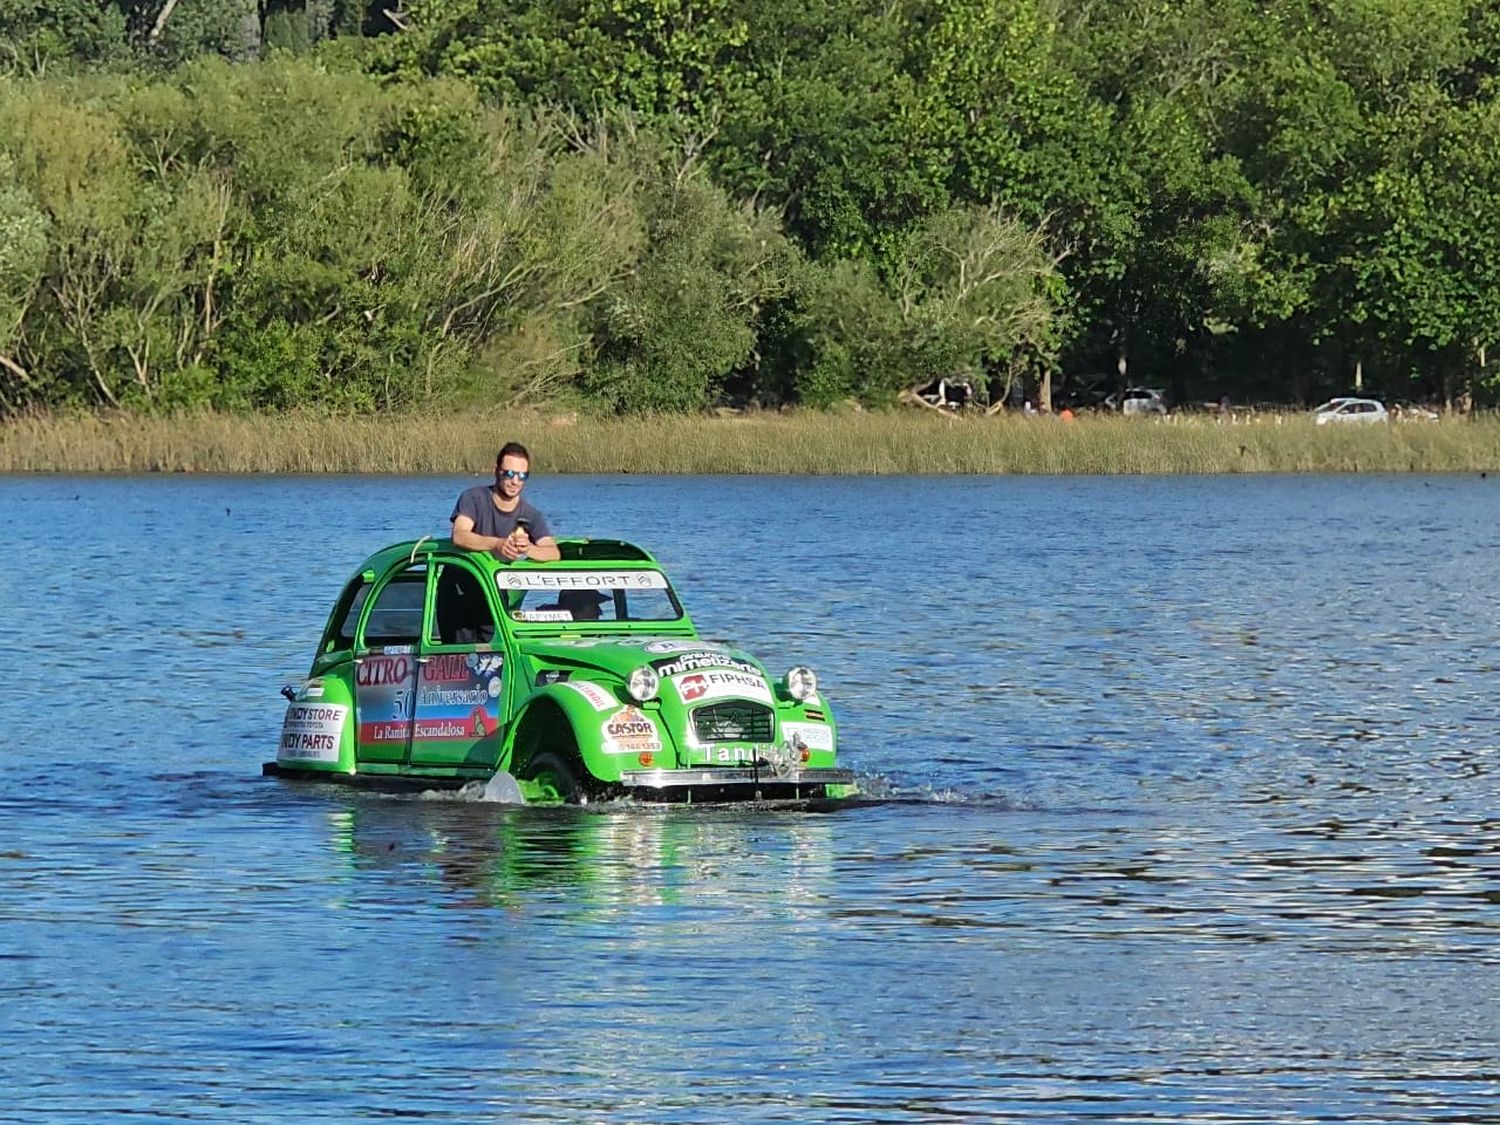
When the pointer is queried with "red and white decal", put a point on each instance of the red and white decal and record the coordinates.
(477, 725)
(446, 667)
(722, 683)
(381, 671)
(598, 698)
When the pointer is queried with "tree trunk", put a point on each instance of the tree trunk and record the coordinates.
(1122, 363)
(161, 21)
(247, 48)
(320, 17)
(15, 368)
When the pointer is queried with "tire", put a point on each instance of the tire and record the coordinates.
(557, 777)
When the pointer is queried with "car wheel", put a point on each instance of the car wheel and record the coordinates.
(556, 778)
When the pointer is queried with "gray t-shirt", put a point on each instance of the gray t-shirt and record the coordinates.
(478, 503)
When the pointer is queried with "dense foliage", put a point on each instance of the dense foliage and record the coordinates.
(660, 205)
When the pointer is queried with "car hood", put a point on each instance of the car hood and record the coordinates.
(619, 656)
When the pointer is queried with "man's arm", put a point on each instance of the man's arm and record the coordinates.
(466, 537)
(544, 549)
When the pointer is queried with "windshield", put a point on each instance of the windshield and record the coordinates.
(588, 595)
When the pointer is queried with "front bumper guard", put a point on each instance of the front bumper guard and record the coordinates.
(750, 776)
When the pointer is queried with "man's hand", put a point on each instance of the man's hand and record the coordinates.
(515, 545)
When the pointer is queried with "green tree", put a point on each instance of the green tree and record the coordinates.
(23, 258)
(967, 287)
(38, 35)
(687, 316)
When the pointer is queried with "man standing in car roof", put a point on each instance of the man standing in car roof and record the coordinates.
(494, 517)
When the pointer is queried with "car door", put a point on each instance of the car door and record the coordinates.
(460, 696)
(385, 665)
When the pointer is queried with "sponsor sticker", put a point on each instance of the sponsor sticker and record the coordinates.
(543, 615)
(600, 699)
(728, 755)
(370, 733)
(469, 695)
(815, 736)
(698, 659)
(476, 725)
(311, 732)
(629, 732)
(381, 671)
(722, 683)
(458, 696)
(680, 646)
(447, 667)
(582, 580)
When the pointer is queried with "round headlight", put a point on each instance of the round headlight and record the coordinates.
(801, 684)
(643, 684)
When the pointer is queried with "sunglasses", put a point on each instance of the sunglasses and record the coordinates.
(514, 474)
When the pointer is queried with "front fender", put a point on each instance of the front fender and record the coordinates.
(609, 733)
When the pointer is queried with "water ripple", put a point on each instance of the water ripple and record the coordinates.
(1186, 814)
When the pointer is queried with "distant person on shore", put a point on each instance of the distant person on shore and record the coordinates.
(494, 518)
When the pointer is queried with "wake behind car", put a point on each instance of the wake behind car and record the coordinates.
(582, 678)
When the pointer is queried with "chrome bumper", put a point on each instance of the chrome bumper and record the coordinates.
(739, 775)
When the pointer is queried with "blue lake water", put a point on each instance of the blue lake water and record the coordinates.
(1193, 817)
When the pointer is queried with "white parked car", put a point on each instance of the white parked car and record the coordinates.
(1350, 410)
(1331, 404)
(1139, 400)
(1409, 412)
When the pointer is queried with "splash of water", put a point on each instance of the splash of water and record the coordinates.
(500, 789)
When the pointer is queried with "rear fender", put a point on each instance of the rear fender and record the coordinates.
(317, 732)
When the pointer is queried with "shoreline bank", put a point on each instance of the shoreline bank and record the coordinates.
(865, 443)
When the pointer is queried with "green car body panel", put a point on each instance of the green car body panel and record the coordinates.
(582, 678)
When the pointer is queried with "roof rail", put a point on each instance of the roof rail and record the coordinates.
(601, 550)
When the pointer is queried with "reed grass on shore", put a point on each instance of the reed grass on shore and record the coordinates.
(804, 443)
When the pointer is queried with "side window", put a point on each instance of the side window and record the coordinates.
(350, 603)
(462, 615)
(396, 616)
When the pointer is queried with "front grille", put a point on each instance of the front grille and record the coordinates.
(733, 722)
